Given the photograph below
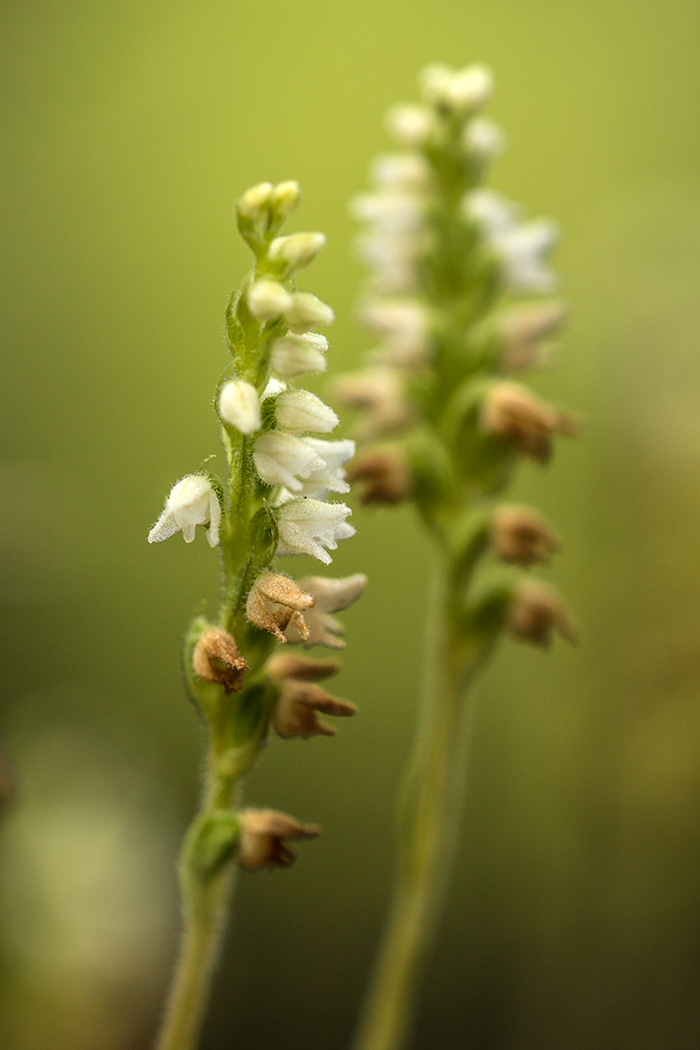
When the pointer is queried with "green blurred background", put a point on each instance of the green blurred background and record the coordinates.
(129, 128)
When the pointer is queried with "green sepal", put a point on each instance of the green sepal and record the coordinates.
(264, 535)
(488, 602)
(213, 841)
(218, 488)
(429, 464)
(250, 233)
(484, 461)
(468, 540)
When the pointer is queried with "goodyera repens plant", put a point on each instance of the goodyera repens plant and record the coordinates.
(277, 499)
(458, 299)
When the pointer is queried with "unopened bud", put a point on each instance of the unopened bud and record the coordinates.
(296, 251)
(384, 474)
(536, 611)
(296, 355)
(513, 413)
(286, 197)
(274, 602)
(482, 139)
(301, 412)
(239, 406)
(216, 659)
(410, 125)
(268, 300)
(296, 714)
(263, 835)
(255, 202)
(520, 536)
(305, 311)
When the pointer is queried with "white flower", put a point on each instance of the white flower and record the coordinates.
(410, 125)
(392, 259)
(483, 139)
(239, 406)
(296, 251)
(285, 197)
(306, 526)
(521, 248)
(282, 459)
(268, 299)
(409, 172)
(390, 211)
(296, 355)
(329, 596)
(304, 311)
(327, 472)
(273, 388)
(192, 501)
(404, 326)
(301, 411)
(254, 203)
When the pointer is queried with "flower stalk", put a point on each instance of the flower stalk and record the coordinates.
(454, 296)
(272, 502)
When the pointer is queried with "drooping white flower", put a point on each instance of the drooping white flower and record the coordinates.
(300, 411)
(327, 472)
(268, 299)
(239, 406)
(305, 311)
(297, 250)
(295, 355)
(410, 125)
(407, 172)
(192, 501)
(329, 596)
(307, 526)
(283, 459)
(521, 247)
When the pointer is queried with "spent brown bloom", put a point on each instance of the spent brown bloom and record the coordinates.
(299, 703)
(329, 596)
(515, 414)
(537, 610)
(519, 535)
(216, 659)
(274, 602)
(384, 475)
(264, 836)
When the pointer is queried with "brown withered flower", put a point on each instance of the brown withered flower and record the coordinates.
(276, 602)
(379, 392)
(216, 659)
(298, 706)
(384, 475)
(536, 611)
(329, 596)
(524, 330)
(519, 535)
(515, 414)
(293, 665)
(263, 835)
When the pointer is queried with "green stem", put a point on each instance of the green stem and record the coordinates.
(428, 819)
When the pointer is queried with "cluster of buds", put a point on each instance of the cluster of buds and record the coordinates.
(278, 499)
(457, 299)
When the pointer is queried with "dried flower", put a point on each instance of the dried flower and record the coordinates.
(329, 596)
(293, 665)
(192, 501)
(385, 474)
(379, 392)
(512, 412)
(519, 535)
(536, 612)
(263, 835)
(216, 659)
(296, 714)
(523, 329)
(274, 602)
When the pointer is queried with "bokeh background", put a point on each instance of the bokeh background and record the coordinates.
(573, 919)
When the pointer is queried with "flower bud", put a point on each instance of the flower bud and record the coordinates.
(216, 659)
(239, 406)
(519, 535)
(286, 197)
(536, 611)
(296, 714)
(379, 392)
(274, 602)
(385, 476)
(482, 139)
(263, 834)
(410, 125)
(470, 89)
(304, 311)
(268, 300)
(296, 251)
(301, 411)
(513, 413)
(296, 355)
(255, 202)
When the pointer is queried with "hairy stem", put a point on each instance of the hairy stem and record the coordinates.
(428, 819)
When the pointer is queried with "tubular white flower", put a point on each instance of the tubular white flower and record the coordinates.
(305, 311)
(393, 261)
(408, 172)
(307, 526)
(520, 247)
(494, 212)
(286, 197)
(298, 250)
(404, 325)
(483, 139)
(282, 459)
(192, 501)
(239, 406)
(254, 203)
(327, 473)
(391, 211)
(301, 411)
(410, 125)
(295, 355)
(268, 299)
